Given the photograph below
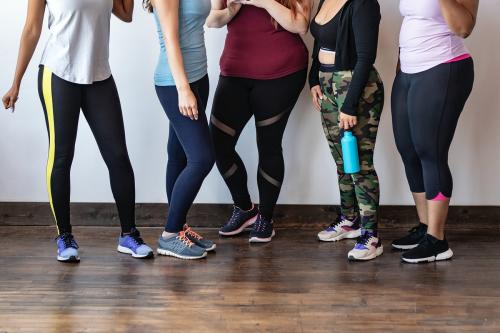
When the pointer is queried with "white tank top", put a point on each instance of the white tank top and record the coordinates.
(78, 48)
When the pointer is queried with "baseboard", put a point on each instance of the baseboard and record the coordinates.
(214, 215)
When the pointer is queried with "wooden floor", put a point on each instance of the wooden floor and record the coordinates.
(294, 284)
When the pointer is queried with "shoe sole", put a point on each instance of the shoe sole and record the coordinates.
(262, 240)
(404, 247)
(179, 256)
(378, 252)
(69, 260)
(126, 250)
(349, 235)
(447, 255)
(210, 249)
(245, 225)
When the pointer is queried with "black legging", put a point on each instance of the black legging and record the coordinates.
(62, 101)
(425, 110)
(236, 100)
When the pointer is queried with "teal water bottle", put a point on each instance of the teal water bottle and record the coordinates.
(350, 152)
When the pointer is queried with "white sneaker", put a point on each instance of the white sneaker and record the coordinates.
(340, 229)
(367, 247)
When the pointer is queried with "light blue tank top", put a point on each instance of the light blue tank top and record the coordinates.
(192, 16)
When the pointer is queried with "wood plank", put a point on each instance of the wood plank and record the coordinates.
(294, 284)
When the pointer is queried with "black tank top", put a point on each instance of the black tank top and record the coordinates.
(326, 34)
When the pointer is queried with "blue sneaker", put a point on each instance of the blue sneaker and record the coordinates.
(181, 247)
(239, 220)
(67, 248)
(262, 231)
(134, 245)
(199, 240)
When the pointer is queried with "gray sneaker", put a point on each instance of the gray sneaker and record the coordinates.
(198, 239)
(181, 247)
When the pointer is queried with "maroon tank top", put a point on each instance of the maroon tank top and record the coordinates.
(256, 49)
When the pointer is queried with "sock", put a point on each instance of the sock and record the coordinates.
(168, 235)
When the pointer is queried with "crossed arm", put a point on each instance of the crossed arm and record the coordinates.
(460, 15)
(123, 9)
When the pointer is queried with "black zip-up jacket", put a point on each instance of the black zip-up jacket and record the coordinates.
(356, 49)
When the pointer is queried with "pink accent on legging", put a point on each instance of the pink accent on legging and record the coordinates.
(440, 197)
(461, 57)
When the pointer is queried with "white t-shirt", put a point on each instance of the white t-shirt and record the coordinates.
(78, 48)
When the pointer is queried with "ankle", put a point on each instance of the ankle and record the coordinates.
(437, 235)
(246, 207)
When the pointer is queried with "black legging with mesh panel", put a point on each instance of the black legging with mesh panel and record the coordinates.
(270, 102)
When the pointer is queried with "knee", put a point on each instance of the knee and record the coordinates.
(118, 160)
(63, 161)
(204, 162)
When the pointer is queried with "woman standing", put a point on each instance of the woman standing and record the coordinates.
(429, 94)
(348, 91)
(182, 85)
(75, 74)
(263, 71)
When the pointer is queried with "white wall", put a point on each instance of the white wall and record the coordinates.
(311, 176)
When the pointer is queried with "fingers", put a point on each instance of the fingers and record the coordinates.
(9, 102)
(190, 112)
(6, 102)
(347, 122)
(316, 102)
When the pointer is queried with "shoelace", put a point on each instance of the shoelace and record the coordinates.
(337, 222)
(364, 238)
(69, 241)
(183, 238)
(136, 236)
(235, 215)
(261, 224)
(193, 233)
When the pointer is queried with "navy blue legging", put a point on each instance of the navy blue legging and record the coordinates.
(190, 152)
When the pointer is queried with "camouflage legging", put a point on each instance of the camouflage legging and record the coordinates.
(359, 193)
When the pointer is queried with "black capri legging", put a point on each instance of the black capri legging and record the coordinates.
(425, 110)
(270, 102)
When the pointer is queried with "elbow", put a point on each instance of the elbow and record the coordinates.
(32, 33)
(210, 24)
(299, 29)
(463, 30)
(303, 31)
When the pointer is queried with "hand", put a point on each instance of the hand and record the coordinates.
(233, 6)
(10, 98)
(256, 3)
(317, 96)
(346, 121)
(188, 104)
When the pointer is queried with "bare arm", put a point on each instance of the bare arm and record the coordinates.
(29, 41)
(123, 9)
(168, 14)
(294, 23)
(460, 15)
(221, 15)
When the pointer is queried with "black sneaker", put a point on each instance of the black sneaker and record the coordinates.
(411, 240)
(262, 231)
(428, 250)
(239, 220)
